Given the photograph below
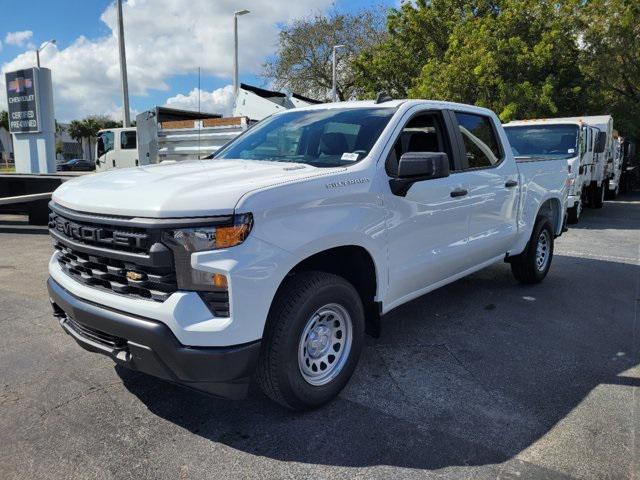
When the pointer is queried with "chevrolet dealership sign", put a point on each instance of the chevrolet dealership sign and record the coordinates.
(23, 99)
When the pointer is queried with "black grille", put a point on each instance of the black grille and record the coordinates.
(123, 259)
(116, 275)
(120, 238)
(96, 335)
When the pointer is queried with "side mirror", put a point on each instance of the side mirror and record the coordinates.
(416, 167)
(601, 142)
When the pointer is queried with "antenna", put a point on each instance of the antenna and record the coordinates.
(383, 97)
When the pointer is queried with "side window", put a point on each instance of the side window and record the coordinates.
(423, 133)
(128, 140)
(105, 142)
(480, 141)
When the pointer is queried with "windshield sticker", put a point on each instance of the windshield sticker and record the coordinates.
(350, 157)
(571, 150)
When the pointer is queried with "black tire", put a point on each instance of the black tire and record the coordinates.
(597, 195)
(279, 373)
(573, 215)
(524, 266)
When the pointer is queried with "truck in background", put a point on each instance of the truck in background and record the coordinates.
(585, 142)
(562, 138)
(630, 176)
(164, 133)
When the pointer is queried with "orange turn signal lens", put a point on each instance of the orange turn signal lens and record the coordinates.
(219, 280)
(230, 236)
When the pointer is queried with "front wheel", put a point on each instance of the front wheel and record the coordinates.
(312, 341)
(573, 213)
(532, 265)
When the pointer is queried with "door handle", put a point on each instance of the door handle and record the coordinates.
(511, 184)
(458, 192)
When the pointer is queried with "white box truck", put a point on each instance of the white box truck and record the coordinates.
(571, 139)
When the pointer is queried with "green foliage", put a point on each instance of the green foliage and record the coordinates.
(521, 58)
(611, 59)
(303, 62)
(4, 120)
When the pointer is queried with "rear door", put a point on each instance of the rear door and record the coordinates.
(491, 175)
(427, 228)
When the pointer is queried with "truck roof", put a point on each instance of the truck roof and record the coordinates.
(583, 120)
(436, 104)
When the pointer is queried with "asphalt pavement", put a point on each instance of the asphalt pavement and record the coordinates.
(483, 378)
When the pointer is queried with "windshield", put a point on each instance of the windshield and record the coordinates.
(322, 138)
(549, 141)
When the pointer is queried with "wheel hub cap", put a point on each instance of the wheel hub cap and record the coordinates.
(542, 250)
(325, 344)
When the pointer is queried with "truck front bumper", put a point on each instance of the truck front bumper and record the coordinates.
(149, 346)
(572, 200)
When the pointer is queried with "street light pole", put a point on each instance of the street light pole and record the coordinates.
(126, 120)
(236, 84)
(42, 47)
(333, 88)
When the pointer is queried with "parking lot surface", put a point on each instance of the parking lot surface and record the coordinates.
(483, 378)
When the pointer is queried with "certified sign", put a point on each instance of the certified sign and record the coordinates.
(22, 96)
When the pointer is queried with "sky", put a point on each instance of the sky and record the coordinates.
(166, 42)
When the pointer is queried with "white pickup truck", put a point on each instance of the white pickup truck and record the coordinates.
(271, 260)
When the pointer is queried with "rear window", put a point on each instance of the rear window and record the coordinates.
(480, 141)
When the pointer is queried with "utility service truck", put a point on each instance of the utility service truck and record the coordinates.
(168, 134)
(271, 260)
(581, 142)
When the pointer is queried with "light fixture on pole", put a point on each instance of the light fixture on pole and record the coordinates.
(333, 88)
(237, 14)
(42, 47)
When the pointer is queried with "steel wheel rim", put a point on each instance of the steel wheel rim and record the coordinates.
(325, 344)
(543, 250)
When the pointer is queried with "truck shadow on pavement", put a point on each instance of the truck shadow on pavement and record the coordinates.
(470, 374)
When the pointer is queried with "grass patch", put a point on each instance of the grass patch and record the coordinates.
(4, 169)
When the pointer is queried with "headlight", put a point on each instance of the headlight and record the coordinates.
(198, 239)
(185, 241)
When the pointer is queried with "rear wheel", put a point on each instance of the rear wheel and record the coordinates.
(312, 342)
(532, 265)
(597, 195)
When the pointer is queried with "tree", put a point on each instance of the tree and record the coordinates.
(611, 59)
(517, 57)
(4, 120)
(303, 62)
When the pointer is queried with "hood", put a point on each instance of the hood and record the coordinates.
(183, 189)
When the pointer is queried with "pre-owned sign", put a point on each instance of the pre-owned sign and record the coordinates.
(22, 96)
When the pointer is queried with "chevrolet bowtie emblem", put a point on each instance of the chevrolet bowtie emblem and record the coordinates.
(135, 276)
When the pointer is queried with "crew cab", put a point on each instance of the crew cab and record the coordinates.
(271, 260)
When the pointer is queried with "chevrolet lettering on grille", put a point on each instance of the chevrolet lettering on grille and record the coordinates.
(95, 234)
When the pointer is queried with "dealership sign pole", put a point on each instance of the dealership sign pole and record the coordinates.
(31, 119)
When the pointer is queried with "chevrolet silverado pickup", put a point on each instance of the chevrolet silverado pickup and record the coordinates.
(271, 260)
